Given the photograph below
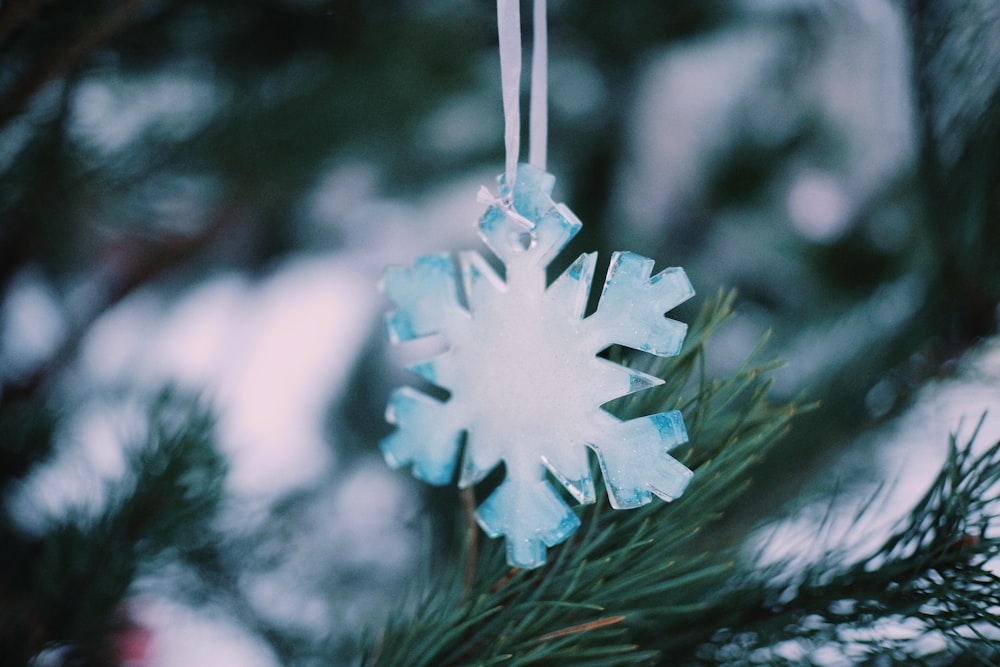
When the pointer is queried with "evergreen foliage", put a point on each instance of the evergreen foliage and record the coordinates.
(655, 586)
(219, 181)
(62, 587)
(935, 576)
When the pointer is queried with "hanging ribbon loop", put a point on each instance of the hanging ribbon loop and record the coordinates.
(509, 31)
(538, 122)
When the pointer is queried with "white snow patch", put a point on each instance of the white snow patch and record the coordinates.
(271, 355)
(112, 112)
(687, 105)
(32, 325)
(818, 206)
(198, 638)
(905, 455)
(379, 230)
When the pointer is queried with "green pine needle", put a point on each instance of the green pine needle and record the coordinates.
(935, 574)
(657, 585)
(64, 589)
(623, 575)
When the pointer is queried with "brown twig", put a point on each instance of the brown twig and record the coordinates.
(504, 579)
(14, 13)
(472, 535)
(583, 627)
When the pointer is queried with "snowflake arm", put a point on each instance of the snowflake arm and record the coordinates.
(531, 515)
(634, 459)
(426, 297)
(632, 304)
(427, 436)
(527, 388)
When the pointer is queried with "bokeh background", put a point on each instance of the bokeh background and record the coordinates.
(205, 193)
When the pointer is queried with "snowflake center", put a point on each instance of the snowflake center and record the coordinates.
(522, 383)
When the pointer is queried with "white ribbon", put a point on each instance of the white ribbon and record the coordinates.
(538, 129)
(509, 31)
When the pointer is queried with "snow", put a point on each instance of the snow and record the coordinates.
(32, 325)
(111, 112)
(899, 460)
(270, 355)
(276, 350)
(687, 111)
(273, 353)
(818, 207)
(198, 638)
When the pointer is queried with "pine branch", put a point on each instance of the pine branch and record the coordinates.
(65, 587)
(625, 576)
(644, 587)
(934, 574)
(26, 430)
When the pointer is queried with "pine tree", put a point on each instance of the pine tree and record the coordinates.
(91, 220)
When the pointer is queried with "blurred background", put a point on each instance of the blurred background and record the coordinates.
(204, 193)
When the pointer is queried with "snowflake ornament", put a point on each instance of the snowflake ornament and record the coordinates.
(526, 385)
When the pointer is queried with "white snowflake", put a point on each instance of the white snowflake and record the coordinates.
(526, 384)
